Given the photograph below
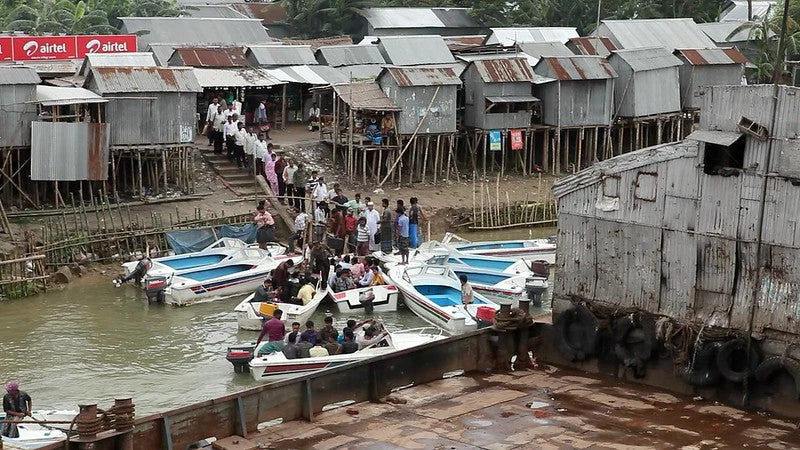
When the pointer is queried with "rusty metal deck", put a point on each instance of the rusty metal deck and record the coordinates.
(543, 408)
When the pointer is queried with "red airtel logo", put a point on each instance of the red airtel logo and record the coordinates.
(32, 47)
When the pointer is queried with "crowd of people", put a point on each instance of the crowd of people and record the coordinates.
(227, 133)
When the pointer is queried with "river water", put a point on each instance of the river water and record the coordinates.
(90, 342)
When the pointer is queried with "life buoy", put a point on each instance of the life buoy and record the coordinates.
(576, 329)
(702, 369)
(770, 366)
(735, 361)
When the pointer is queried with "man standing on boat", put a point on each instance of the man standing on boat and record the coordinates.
(275, 330)
(16, 405)
(386, 228)
(402, 235)
(372, 217)
(466, 290)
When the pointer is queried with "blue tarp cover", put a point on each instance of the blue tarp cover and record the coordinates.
(186, 241)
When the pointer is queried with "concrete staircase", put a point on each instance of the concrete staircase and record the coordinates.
(241, 181)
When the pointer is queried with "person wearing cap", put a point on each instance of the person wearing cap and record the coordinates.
(372, 217)
(16, 405)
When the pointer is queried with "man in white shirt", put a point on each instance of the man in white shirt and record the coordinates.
(288, 178)
(320, 192)
(261, 113)
(260, 153)
(230, 111)
(240, 140)
(210, 115)
(229, 131)
(313, 117)
(373, 217)
(300, 225)
(219, 129)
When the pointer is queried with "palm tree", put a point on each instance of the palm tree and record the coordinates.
(762, 32)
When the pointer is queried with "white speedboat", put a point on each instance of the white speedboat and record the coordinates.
(250, 314)
(434, 294)
(383, 298)
(276, 366)
(238, 276)
(436, 253)
(34, 434)
(528, 249)
(500, 287)
(222, 250)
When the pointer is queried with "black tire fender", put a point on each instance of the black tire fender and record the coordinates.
(730, 358)
(576, 330)
(702, 369)
(774, 364)
(634, 337)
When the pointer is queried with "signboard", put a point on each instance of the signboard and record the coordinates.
(6, 54)
(37, 48)
(516, 140)
(495, 144)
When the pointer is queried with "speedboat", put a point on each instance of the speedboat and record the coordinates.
(276, 366)
(501, 287)
(434, 294)
(222, 250)
(241, 274)
(436, 253)
(382, 297)
(34, 434)
(250, 315)
(528, 249)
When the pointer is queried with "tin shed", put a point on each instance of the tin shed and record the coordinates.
(422, 92)
(497, 93)
(149, 105)
(707, 67)
(667, 33)
(414, 50)
(17, 110)
(576, 91)
(648, 82)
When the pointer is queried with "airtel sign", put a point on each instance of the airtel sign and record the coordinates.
(28, 48)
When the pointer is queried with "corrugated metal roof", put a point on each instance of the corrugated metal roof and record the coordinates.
(241, 77)
(419, 18)
(281, 55)
(667, 33)
(14, 74)
(423, 76)
(348, 55)
(161, 52)
(138, 59)
(112, 80)
(506, 70)
(364, 95)
(712, 56)
(53, 95)
(539, 49)
(724, 138)
(575, 68)
(213, 12)
(414, 50)
(316, 75)
(736, 11)
(210, 57)
(643, 59)
(319, 42)
(512, 99)
(719, 32)
(361, 72)
(593, 45)
(183, 31)
(267, 13)
(507, 37)
(50, 68)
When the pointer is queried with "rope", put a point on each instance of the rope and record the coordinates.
(516, 319)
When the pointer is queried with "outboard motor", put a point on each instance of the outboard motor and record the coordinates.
(154, 288)
(540, 269)
(240, 356)
(534, 289)
(367, 298)
(137, 273)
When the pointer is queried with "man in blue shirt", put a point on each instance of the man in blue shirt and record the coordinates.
(402, 234)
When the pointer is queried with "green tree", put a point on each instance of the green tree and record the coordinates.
(763, 32)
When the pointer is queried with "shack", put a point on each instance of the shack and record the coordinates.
(700, 236)
(414, 50)
(591, 45)
(247, 84)
(71, 120)
(426, 122)
(577, 95)
(418, 21)
(497, 96)
(151, 122)
(17, 111)
(280, 55)
(707, 67)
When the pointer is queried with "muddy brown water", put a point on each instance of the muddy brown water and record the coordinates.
(91, 342)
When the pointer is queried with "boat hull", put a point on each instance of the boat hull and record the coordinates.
(386, 298)
(248, 318)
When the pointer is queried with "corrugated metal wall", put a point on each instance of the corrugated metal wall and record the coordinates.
(473, 98)
(151, 118)
(413, 100)
(69, 151)
(476, 91)
(16, 114)
(583, 102)
(653, 92)
(693, 80)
